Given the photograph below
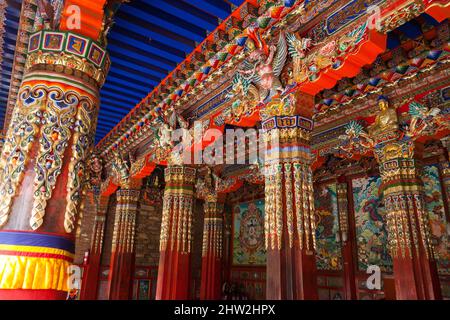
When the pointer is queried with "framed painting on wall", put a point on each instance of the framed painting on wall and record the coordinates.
(248, 234)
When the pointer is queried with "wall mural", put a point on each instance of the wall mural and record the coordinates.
(371, 232)
(248, 235)
(327, 216)
(436, 210)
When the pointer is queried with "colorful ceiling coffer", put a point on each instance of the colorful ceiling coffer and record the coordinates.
(371, 232)
(328, 254)
(172, 90)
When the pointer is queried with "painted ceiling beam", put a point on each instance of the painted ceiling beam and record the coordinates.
(213, 7)
(237, 3)
(129, 91)
(153, 31)
(120, 77)
(127, 75)
(134, 85)
(107, 122)
(139, 55)
(158, 74)
(159, 55)
(164, 20)
(110, 111)
(115, 96)
(148, 41)
(116, 78)
(138, 52)
(186, 12)
(131, 68)
(157, 70)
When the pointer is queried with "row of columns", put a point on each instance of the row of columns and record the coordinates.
(289, 228)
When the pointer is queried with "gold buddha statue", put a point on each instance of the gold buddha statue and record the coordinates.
(386, 120)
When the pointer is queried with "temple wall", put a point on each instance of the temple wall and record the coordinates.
(148, 229)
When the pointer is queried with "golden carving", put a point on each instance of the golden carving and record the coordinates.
(386, 120)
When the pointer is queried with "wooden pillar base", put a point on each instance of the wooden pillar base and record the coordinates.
(292, 276)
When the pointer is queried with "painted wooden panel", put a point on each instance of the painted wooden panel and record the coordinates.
(248, 235)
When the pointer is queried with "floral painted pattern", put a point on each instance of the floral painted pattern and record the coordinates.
(371, 231)
(436, 213)
(328, 256)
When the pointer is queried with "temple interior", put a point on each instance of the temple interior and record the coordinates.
(225, 149)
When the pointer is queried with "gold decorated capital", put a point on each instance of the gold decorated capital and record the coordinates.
(70, 54)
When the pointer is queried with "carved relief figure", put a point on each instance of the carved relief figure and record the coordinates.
(264, 65)
(386, 120)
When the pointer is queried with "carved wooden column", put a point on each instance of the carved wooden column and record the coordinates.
(415, 271)
(211, 278)
(289, 209)
(91, 273)
(176, 238)
(123, 246)
(43, 161)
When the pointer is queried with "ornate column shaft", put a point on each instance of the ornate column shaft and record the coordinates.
(123, 246)
(43, 161)
(415, 271)
(289, 209)
(176, 234)
(91, 274)
(211, 278)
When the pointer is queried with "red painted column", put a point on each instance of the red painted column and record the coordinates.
(43, 164)
(415, 271)
(211, 277)
(92, 271)
(289, 209)
(122, 256)
(176, 240)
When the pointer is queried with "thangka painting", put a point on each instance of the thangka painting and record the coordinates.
(371, 230)
(434, 204)
(328, 256)
(248, 237)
